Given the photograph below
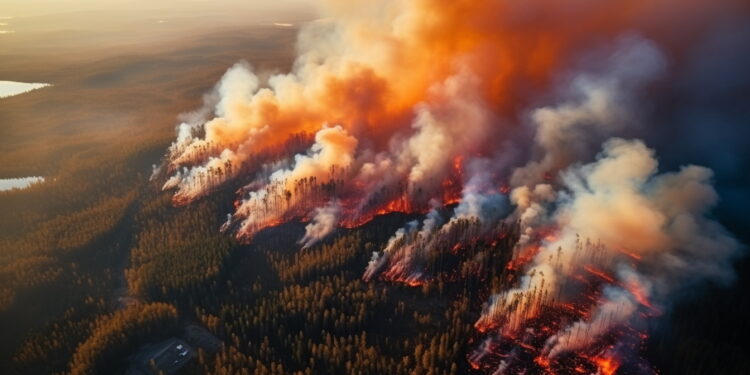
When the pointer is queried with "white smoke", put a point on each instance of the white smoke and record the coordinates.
(620, 201)
(333, 149)
(323, 223)
(597, 104)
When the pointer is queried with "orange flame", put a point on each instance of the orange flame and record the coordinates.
(606, 365)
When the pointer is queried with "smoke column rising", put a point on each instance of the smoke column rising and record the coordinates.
(501, 121)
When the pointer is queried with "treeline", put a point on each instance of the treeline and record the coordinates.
(324, 319)
(67, 232)
(113, 336)
(33, 259)
(70, 303)
(61, 245)
(49, 350)
(175, 250)
(24, 273)
(338, 326)
(82, 180)
(308, 263)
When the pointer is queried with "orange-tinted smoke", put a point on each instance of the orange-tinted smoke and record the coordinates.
(381, 66)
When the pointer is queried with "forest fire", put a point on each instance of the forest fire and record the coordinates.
(525, 187)
(607, 366)
(524, 335)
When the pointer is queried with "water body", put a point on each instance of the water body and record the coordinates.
(19, 183)
(10, 88)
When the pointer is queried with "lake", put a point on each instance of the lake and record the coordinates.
(10, 88)
(19, 183)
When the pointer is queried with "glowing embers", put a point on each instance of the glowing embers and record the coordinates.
(606, 365)
(525, 253)
(527, 349)
(284, 200)
(295, 179)
(591, 322)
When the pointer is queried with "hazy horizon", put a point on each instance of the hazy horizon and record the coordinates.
(72, 31)
(33, 8)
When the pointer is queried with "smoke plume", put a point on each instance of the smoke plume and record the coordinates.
(514, 128)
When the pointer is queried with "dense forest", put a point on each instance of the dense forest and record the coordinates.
(130, 269)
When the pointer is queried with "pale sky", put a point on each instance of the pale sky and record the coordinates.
(25, 8)
(31, 26)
